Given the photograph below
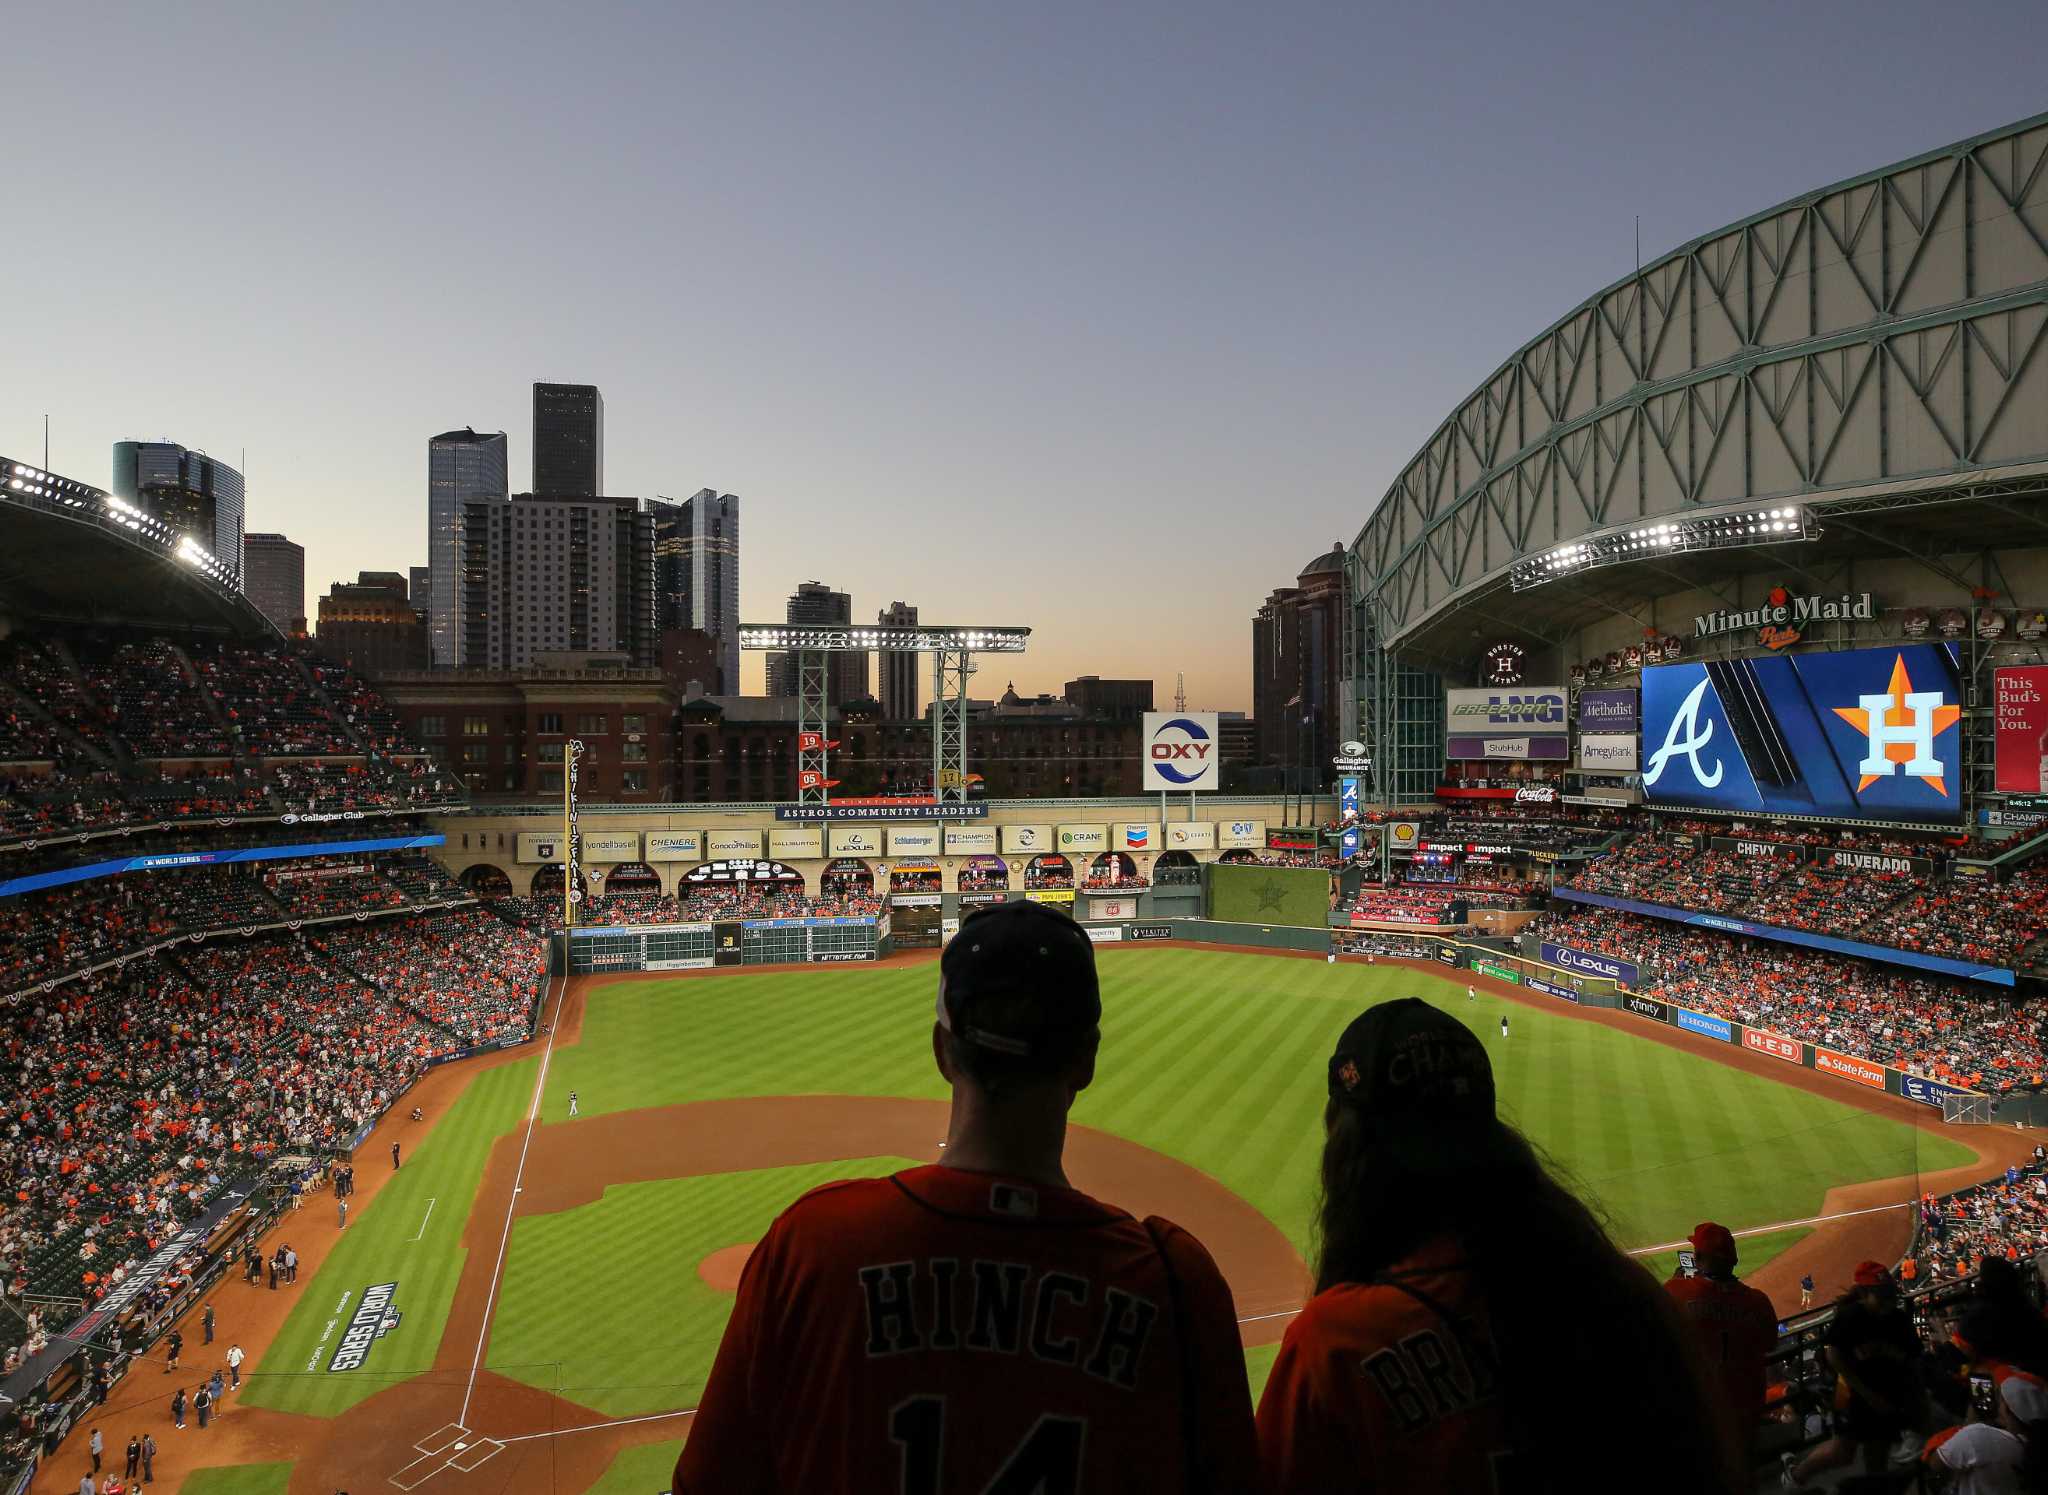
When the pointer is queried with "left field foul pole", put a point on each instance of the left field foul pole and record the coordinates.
(572, 847)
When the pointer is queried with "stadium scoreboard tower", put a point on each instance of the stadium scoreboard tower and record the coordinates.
(952, 650)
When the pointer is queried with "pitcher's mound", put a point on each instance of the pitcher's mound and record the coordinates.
(721, 1269)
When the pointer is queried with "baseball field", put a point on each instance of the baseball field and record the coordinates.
(532, 1302)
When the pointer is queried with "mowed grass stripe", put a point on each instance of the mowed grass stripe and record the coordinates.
(603, 1303)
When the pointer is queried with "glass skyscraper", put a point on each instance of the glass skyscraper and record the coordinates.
(187, 490)
(568, 441)
(697, 572)
(461, 466)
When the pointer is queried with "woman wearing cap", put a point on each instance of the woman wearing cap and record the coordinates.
(2008, 1457)
(1473, 1328)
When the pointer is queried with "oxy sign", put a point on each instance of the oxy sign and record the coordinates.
(1182, 751)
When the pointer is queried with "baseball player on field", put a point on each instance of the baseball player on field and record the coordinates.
(981, 1324)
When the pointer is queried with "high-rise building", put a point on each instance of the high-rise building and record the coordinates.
(1297, 661)
(697, 574)
(541, 574)
(187, 490)
(370, 625)
(898, 667)
(422, 586)
(568, 441)
(1111, 700)
(274, 578)
(817, 605)
(462, 466)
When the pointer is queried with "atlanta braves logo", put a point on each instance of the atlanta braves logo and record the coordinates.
(1689, 747)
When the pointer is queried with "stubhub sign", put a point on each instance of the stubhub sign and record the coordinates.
(1183, 750)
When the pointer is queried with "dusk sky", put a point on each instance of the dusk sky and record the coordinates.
(1098, 319)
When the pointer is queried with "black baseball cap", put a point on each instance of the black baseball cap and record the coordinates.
(1423, 1080)
(1019, 949)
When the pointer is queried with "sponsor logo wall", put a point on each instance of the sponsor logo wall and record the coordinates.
(1027, 838)
(611, 846)
(1591, 963)
(540, 846)
(1104, 934)
(1510, 749)
(1706, 1023)
(1862, 1071)
(719, 844)
(1498, 972)
(1648, 1007)
(674, 846)
(2020, 729)
(1180, 749)
(970, 840)
(1605, 754)
(1151, 931)
(1928, 1092)
(796, 843)
(913, 840)
(1234, 835)
(1551, 988)
(1788, 1049)
(1083, 838)
(846, 810)
(1050, 895)
(1506, 711)
(854, 841)
(1617, 712)
(1191, 835)
(1134, 837)
(1857, 734)
(1112, 908)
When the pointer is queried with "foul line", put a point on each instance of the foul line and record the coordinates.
(1847, 1214)
(423, 1220)
(592, 1427)
(511, 1203)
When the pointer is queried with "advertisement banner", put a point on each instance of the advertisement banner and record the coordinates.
(1087, 839)
(1151, 931)
(1506, 711)
(914, 900)
(1499, 973)
(1862, 1071)
(913, 840)
(1706, 1023)
(1232, 835)
(1788, 1049)
(1608, 754)
(970, 840)
(796, 843)
(720, 845)
(840, 809)
(948, 927)
(1551, 988)
(2020, 728)
(1928, 1092)
(1750, 847)
(1648, 1007)
(1347, 796)
(976, 900)
(1112, 908)
(611, 846)
(1842, 860)
(1617, 712)
(1104, 934)
(854, 841)
(1051, 895)
(1027, 838)
(1134, 836)
(1590, 963)
(1866, 734)
(1181, 752)
(1191, 835)
(675, 846)
(1403, 834)
(1447, 955)
(540, 846)
(1509, 749)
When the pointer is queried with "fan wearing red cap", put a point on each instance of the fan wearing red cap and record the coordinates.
(1875, 1354)
(981, 1324)
(1466, 1304)
(1733, 1324)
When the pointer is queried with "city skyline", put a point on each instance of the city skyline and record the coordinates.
(1012, 315)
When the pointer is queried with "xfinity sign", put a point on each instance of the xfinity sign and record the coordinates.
(1182, 749)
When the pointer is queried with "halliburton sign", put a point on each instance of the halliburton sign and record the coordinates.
(1787, 1049)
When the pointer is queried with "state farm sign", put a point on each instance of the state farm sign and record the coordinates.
(1778, 1048)
(1862, 1071)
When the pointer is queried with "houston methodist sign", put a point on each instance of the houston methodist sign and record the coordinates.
(1181, 751)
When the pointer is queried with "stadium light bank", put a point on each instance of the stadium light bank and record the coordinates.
(1733, 529)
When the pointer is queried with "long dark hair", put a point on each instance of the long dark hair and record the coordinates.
(1584, 1337)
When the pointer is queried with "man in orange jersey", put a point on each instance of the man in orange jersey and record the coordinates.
(981, 1326)
(1733, 1324)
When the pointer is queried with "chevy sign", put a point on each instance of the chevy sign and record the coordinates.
(1589, 964)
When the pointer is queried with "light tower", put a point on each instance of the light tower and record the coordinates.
(952, 651)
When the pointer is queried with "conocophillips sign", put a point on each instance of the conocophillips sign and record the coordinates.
(1181, 751)
(1590, 964)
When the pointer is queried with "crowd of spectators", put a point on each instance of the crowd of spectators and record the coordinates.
(269, 704)
(1403, 904)
(1955, 1031)
(2005, 1217)
(134, 1097)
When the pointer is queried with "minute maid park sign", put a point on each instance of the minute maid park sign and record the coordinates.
(1782, 610)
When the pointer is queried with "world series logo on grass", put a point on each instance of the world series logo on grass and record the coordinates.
(374, 1318)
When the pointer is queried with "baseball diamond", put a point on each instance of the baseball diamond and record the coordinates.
(574, 1363)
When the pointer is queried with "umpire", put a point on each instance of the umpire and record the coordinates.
(982, 1320)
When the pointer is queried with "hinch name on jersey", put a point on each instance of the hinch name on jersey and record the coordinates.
(989, 1307)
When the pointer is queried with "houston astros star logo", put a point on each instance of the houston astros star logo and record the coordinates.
(1271, 892)
(1899, 728)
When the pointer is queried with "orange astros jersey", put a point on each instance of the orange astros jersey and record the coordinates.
(1373, 1390)
(1736, 1328)
(950, 1333)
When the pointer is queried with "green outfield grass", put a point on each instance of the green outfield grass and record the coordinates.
(636, 1471)
(250, 1479)
(1212, 1057)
